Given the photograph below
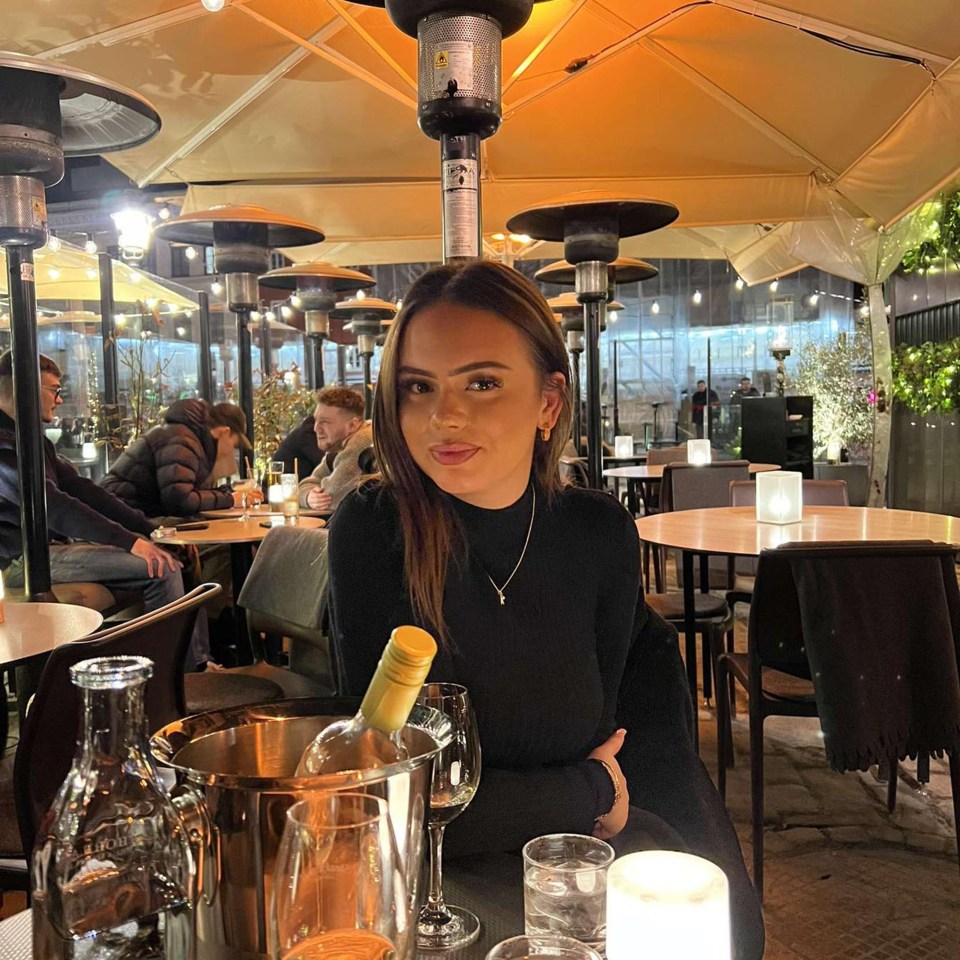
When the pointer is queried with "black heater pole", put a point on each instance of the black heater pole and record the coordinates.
(266, 357)
(107, 330)
(318, 372)
(206, 375)
(26, 399)
(591, 335)
(616, 400)
(367, 385)
(577, 400)
(341, 365)
(245, 376)
(707, 409)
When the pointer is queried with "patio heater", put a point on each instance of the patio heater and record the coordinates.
(590, 226)
(570, 311)
(317, 286)
(242, 237)
(458, 74)
(47, 112)
(622, 270)
(367, 320)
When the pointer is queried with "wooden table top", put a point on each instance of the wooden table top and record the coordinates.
(237, 531)
(259, 512)
(655, 472)
(32, 629)
(735, 531)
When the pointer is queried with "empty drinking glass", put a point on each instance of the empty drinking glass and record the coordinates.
(565, 887)
(338, 890)
(542, 948)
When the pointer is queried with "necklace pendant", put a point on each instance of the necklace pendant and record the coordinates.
(503, 599)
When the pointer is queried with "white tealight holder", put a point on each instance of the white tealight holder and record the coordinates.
(699, 452)
(833, 451)
(275, 494)
(779, 497)
(88, 451)
(675, 904)
(623, 446)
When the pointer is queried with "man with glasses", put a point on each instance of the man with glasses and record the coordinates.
(94, 536)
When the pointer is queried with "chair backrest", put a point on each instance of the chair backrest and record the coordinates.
(816, 493)
(367, 461)
(574, 471)
(49, 732)
(688, 487)
(658, 456)
(879, 627)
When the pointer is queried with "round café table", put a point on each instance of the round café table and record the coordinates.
(34, 629)
(239, 535)
(654, 474)
(258, 513)
(734, 531)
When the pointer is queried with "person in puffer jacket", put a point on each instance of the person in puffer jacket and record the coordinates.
(168, 471)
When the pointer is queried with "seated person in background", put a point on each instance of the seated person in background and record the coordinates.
(167, 472)
(342, 435)
(299, 447)
(531, 587)
(95, 537)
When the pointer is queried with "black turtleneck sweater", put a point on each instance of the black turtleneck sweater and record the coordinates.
(543, 670)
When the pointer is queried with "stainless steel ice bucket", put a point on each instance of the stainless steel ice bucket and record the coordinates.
(235, 778)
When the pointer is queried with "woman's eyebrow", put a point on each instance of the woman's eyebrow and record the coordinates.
(466, 368)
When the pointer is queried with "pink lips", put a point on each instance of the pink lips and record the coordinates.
(452, 454)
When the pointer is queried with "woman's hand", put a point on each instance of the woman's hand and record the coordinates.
(610, 824)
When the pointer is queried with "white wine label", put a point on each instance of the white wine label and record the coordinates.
(460, 212)
(453, 61)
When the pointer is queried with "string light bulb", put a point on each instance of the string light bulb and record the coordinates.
(361, 295)
(90, 245)
(190, 253)
(774, 285)
(739, 284)
(216, 288)
(212, 6)
(655, 307)
(54, 244)
(697, 297)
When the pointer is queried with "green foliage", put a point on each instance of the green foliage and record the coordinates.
(941, 235)
(838, 377)
(925, 378)
(279, 404)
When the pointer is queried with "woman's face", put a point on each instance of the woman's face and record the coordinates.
(471, 403)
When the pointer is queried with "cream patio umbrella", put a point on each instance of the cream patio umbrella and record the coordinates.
(746, 114)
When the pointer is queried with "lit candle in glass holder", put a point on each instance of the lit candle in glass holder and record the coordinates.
(699, 452)
(779, 497)
(88, 450)
(833, 451)
(275, 494)
(675, 904)
(623, 446)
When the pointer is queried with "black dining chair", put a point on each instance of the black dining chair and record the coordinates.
(864, 636)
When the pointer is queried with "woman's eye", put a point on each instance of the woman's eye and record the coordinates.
(483, 384)
(415, 386)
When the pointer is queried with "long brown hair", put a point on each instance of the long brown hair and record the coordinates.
(431, 530)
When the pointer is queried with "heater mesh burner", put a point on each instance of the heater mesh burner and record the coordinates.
(463, 49)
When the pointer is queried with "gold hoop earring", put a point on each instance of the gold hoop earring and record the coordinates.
(545, 433)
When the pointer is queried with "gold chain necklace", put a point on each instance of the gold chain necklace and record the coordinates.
(523, 553)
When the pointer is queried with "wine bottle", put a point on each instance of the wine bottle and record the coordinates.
(372, 737)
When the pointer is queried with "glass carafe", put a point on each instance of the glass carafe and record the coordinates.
(111, 865)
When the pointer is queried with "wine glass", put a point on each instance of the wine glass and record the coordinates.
(244, 487)
(456, 773)
(338, 889)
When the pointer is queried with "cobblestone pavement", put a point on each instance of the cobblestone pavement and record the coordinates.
(845, 878)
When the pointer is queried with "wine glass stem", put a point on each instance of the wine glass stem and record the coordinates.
(435, 906)
(243, 506)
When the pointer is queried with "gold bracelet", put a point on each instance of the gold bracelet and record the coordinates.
(617, 790)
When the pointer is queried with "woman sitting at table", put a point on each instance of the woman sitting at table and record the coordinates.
(530, 586)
